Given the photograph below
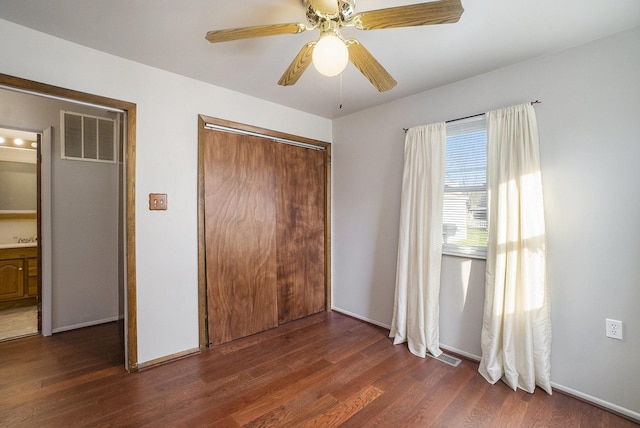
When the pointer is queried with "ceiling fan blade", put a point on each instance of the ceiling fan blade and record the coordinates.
(369, 66)
(298, 66)
(437, 12)
(217, 36)
(329, 7)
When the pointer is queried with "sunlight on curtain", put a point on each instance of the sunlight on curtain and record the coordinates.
(516, 331)
(416, 306)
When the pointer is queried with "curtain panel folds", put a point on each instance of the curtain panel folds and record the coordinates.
(516, 330)
(416, 305)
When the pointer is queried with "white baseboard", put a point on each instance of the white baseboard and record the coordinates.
(460, 352)
(167, 359)
(84, 324)
(597, 401)
(360, 317)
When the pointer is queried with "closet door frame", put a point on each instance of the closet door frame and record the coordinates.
(202, 275)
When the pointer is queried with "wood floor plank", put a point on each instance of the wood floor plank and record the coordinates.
(464, 408)
(406, 393)
(272, 396)
(402, 393)
(511, 414)
(338, 414)
(566, 412)
(375, 375)
(293, 413)
(324, 370)
(539, 408)
(265, 398)
(440, 397)
(487, 406)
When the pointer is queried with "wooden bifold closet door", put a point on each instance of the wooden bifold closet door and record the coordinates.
(264, 206)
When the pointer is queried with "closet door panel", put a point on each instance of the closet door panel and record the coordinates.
(240, 235)
(300, 242)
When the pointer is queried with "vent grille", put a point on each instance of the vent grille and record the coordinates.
(89, 138)
(452, 361)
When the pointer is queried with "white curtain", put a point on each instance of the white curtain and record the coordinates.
(416, 307)
(516, 330)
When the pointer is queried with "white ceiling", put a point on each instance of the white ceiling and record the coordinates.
(170, 35)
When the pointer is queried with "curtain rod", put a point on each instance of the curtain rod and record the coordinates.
(59, 98)
(473, 115)
(215, 127)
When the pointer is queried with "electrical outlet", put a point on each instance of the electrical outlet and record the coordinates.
(614, 329)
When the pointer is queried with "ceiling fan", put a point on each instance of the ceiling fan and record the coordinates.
(331, 52)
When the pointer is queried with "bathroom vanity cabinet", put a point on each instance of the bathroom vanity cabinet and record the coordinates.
(18, 277)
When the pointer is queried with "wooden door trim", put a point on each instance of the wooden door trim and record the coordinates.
(130, 109)
(202, 289)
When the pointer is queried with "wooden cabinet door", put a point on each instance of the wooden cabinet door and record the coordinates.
(11, 279)
(240, 235)
(300, 238)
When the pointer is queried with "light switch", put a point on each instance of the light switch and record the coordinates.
(157, 201)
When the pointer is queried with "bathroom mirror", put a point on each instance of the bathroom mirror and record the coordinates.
(18, 171)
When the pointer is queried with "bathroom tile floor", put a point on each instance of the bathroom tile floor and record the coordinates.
(18, 322)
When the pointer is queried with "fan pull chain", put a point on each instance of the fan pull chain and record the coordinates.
(341, 90)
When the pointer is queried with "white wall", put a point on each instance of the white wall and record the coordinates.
(589, 155)
(166, 161)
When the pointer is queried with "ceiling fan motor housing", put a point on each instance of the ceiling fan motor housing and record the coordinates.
(346, 10)
(312, 16)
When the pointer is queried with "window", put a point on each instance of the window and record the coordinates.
(88, 138)
(464, 219)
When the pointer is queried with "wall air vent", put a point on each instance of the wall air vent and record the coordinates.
(88, 138)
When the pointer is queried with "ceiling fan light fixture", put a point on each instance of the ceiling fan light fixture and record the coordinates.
(330, 55)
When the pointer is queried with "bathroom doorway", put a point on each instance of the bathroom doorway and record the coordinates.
(78, 209)
(19, 255)
(19, 114)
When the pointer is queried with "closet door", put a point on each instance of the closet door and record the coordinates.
(240, 235)
(300, 237)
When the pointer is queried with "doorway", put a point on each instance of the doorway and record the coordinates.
(127, 202)
(19, 290)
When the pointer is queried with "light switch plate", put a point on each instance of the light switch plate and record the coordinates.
(157, 201)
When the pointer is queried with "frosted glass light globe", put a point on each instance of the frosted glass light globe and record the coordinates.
(330, 56)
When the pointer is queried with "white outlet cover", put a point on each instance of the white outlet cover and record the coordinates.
(614, 329)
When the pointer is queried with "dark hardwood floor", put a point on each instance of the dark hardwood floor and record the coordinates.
(322, 371)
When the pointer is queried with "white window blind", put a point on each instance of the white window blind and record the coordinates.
(88, 138)
(465, 192)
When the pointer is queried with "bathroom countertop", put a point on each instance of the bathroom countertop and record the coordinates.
(16, 245)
